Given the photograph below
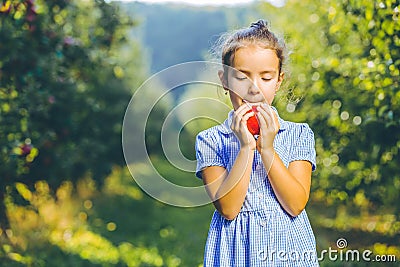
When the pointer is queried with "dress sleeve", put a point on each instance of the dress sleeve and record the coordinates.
(207, 152)
(304, 148)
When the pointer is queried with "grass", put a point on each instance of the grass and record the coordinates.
(119, 225)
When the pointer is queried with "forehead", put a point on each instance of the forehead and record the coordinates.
(256, 59)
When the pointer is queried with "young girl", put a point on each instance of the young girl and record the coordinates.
(259, 184)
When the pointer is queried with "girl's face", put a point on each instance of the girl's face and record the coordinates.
(254, 77)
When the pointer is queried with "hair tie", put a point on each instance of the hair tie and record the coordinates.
(260, 24)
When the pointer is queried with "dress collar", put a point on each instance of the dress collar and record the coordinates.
(225, 127)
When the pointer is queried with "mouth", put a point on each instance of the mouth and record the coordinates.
(251, 104)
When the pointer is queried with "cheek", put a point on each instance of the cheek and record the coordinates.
(269, 90)
(238, 87)
(270, 87)
(235, 100)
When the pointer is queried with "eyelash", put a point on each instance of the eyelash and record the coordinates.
(244, 78)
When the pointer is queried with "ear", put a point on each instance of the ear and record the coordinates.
(280, 80)
(222, 78)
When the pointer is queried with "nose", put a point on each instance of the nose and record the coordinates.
(253, 87)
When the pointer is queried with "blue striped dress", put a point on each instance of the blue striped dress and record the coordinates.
(263, 233)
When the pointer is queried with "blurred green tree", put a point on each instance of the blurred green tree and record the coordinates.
(63, 90)
(345, 66)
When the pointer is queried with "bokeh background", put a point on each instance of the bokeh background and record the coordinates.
(68, 69)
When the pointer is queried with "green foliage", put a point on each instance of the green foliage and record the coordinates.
(66, 74)
(117, 225)
(345, 68)
(351, 77)
(62, 92)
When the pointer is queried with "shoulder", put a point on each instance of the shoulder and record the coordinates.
(292, 128)
(299, 127)
(211, 137)
(297, 133)
(300, 135)
(212, 132)
(302, 142)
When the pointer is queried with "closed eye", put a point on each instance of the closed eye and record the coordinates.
(266, 79)
(241, 78)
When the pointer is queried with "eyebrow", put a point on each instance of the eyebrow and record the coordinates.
(262, 72)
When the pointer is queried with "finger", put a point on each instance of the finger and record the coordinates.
(262, 122)
(243, 108)
(238, 113)
(236, 122)
(267, 108)
(274, 118)
(243, 113)
(269, 123)
(239, 119)
(245, 119)
(276, 121)
(246, 116)
(266, 114)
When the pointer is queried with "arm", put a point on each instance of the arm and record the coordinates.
(228, 190)
(291, 185)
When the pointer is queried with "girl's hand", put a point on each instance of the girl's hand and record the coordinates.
(239, 127)
(269, 126)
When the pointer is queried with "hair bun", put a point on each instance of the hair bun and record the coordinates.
(260, 24)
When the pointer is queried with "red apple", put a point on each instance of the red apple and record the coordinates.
(252, 122)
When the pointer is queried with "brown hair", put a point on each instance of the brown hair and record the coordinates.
(257, 33)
